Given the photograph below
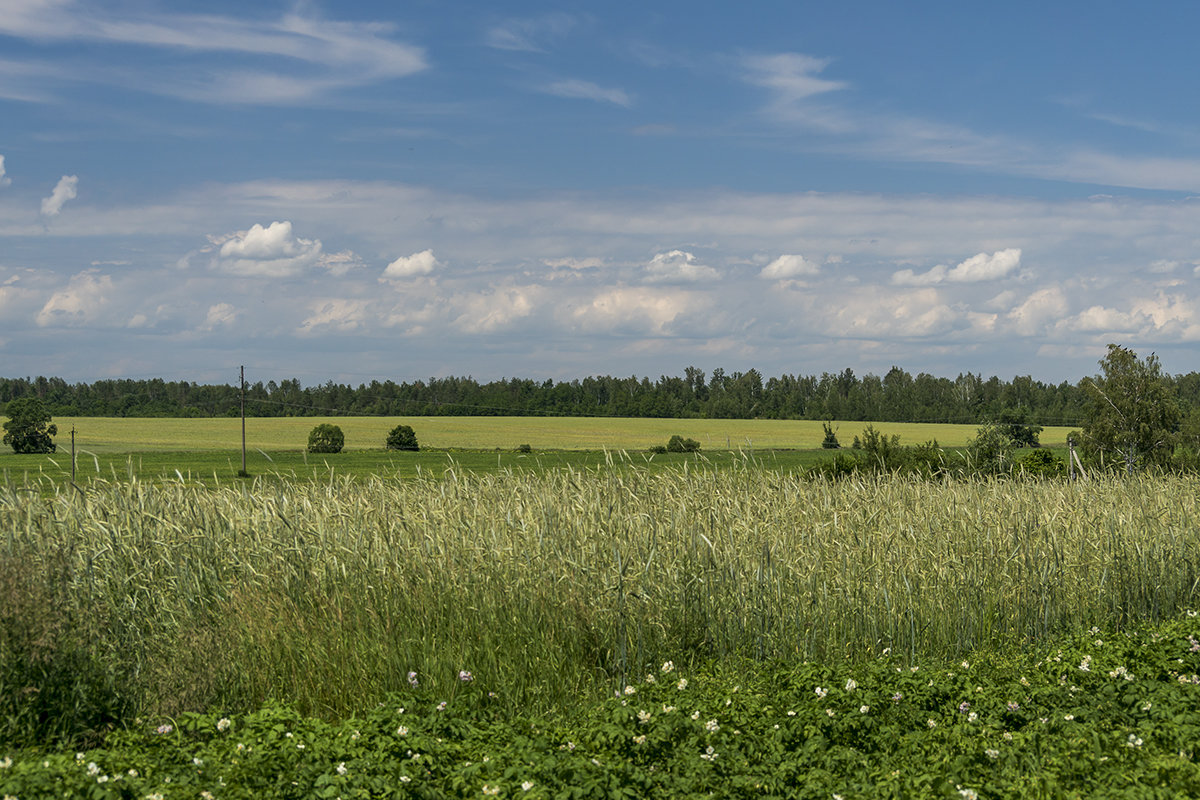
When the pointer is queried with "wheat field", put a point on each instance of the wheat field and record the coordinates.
(562, 584)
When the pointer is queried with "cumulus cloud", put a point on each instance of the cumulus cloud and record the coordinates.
(976, 269)
(66, 189)
(586, 90)
(86, 294)
(678, 266)
(495, 310)
(1043, 307)
(4, 179)
(789, 266)
(219, 315)
(875, 312)
(629, 310)
(270, 252)
(422, 263)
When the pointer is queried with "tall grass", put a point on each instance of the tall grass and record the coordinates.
(551, 587)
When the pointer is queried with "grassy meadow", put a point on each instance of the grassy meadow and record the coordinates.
(273, 434)
(585, 623)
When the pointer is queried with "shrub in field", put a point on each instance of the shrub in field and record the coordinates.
(830, 442)
(658, 449)
(990, 452)
(29, 428)
(524, 448)
(326, 438)
(402, 437)
(1042, 463)
(678, 444)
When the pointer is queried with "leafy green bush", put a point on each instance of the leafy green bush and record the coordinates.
(326, 438)
(658, 449)
(402, 437)
(1042, 463)
(29, 428)
(830, 442)
(678, 444)
(524, 448)
(990, 452)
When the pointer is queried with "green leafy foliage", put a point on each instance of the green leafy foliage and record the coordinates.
(402, 437)
(830, 442)
(1132, 413)
(326, 438)
(990, 452)
(679, 444)
(1042, 463)
(29, 427)
(1015, 424)
(1094, 714)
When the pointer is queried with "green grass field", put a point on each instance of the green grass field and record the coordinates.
(140, 435)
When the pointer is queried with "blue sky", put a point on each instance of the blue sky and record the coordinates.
(398, 190)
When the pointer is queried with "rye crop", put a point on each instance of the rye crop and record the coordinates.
(136, 599)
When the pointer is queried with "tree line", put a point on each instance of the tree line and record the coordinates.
(896, 396)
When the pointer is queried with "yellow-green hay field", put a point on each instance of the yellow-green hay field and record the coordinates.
(130, 435)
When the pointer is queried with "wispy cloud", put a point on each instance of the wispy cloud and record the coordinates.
(799, 98)
(530, 35)
(335, 54)
(586, 90)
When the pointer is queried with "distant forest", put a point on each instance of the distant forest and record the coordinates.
(895, 397)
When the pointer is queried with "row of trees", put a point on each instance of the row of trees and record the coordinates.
(895, 397)
(1132, 419)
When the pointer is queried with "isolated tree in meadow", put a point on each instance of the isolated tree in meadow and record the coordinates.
(28, 429)
(402, 437)
(1132, 414)
(326, 438)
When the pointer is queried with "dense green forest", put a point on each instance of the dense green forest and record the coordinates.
(897, 396)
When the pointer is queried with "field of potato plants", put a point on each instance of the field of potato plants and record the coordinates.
(617, 632)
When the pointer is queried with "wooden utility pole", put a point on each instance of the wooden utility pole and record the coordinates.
(243, 377)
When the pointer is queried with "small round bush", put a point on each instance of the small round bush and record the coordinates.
(658, 449)
(402, 437)
(678, 444)
(524, 448)
(326, 438)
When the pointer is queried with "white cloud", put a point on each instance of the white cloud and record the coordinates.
(495, 310)
(422, 263)
(628, 310)
(678, 266)
(875, 312)
(574, 263)
(977, 268)
(586, 90)
(271, 252)
(528, 34)
(984, 267)
(219, 315)
(793, 76)
(338, 54)
(789, 266)
(1044, 307)
(907, 277)
(337, 314)
(341, 263)
(86, 294)
(4, 179)
(65, 190)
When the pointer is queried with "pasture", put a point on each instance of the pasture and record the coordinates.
(273, 434)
